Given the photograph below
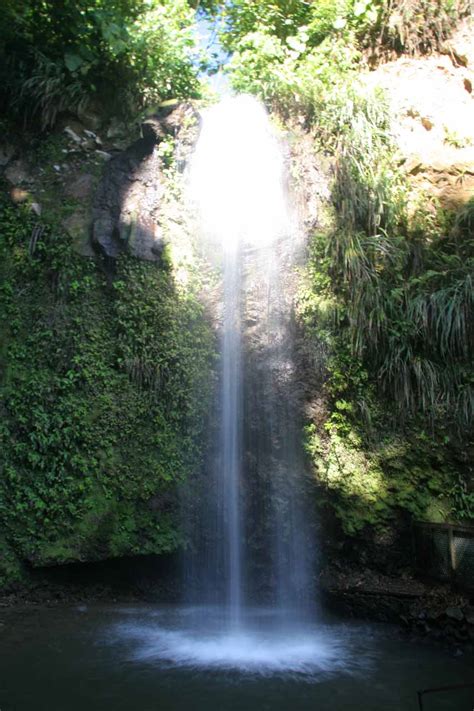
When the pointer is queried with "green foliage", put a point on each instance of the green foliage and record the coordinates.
(121, 55)
(290, 53)
(369, 486)
(391, 297)
(104, 392)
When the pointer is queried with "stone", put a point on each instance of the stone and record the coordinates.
(90, 116)
(77, 226)
(103, 155)
(460, 47)
(126, 207)
(124, 202)
(88, 144)
(470, 618)
(7, 151)
(413, 165)
(152, 131)
(81, 187)
(36, 208)
(73, 135)
(17, 172)
(104, 234)
(116, 128)
(454, 613)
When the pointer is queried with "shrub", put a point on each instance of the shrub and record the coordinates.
(122, 54)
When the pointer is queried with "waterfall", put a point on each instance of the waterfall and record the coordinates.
(258, 547)
(230, 440)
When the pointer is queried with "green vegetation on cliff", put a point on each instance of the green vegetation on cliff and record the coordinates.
(290, 53)
(388, 293)
(105, 364)
(104, 398)
(101, 55)
(105, 370)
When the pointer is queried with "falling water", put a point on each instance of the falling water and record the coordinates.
(230, 445)
(248, 583)
(238, 182)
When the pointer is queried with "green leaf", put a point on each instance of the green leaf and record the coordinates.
(73, 61)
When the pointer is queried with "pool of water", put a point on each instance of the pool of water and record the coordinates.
(167, 658)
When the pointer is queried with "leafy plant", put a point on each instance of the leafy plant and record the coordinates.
(120, 56)
(104, 393)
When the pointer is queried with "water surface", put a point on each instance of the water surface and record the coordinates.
(167, 658)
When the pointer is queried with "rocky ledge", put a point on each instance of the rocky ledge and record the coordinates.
(426, 609)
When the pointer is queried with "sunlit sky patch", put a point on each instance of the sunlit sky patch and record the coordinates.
(207, 34)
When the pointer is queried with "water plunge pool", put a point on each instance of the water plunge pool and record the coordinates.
(169, 658)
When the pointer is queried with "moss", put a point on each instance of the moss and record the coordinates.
(369, 483)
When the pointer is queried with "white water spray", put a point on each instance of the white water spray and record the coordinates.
(237, 182)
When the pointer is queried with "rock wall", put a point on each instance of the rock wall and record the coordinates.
(432, 106)
(106, 350)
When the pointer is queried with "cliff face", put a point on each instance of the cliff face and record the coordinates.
(389, 276)
(106, 354)
(432, 109)
(109, 312)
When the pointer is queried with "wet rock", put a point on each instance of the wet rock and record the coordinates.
(81, 187)
(103, 155)
(77, 226)
(7, 151)
(454, 613)
(73, 135)
(17, 172)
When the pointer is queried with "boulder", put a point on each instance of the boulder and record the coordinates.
(81, 188)
(7, 151)
(77, 226)
(455, 613)
(90, 116)
(17, 172)
(125, 215)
